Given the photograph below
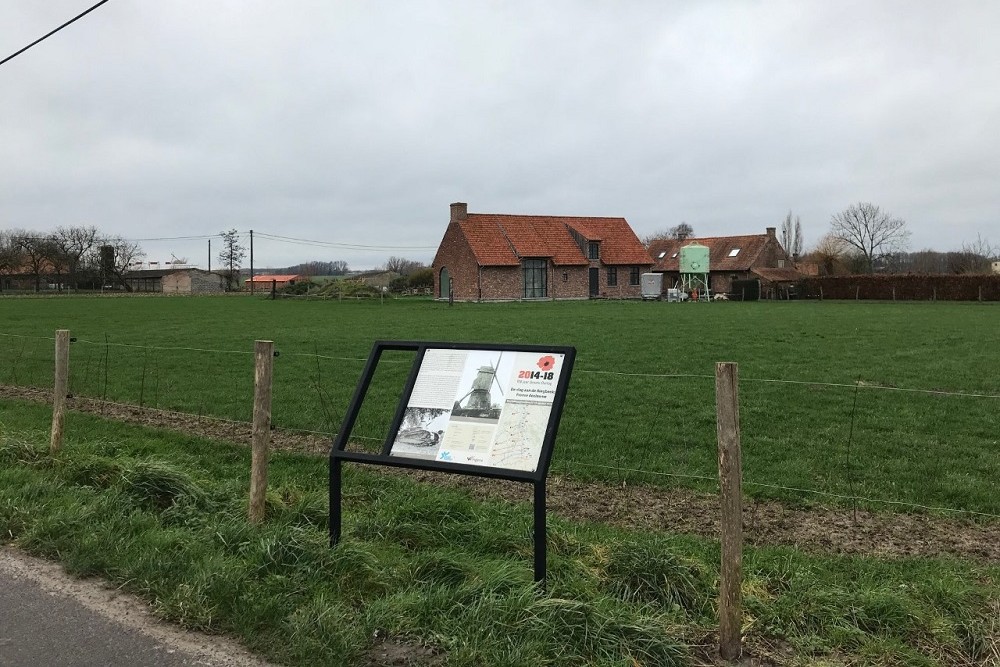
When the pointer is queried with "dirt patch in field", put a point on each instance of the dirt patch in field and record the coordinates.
(816, 529)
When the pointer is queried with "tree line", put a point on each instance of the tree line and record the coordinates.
(69, 257)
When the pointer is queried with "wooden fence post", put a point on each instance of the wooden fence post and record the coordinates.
(261, 438)
(730, 482)
(59, 390)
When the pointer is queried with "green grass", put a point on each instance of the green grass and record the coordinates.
(913, 447)
(163, 515)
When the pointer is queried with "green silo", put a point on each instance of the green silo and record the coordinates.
(694, 271)
(694, 258)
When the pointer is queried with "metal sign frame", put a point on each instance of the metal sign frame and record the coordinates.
(338, 453)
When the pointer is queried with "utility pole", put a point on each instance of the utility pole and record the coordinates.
(251, 261)
(210, 255)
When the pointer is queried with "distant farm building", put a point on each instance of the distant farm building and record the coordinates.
(176, 281)
(492, 257)
(266, 281)
(753, 257)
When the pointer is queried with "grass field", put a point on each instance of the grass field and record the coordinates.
(162, 515)
(938, 450)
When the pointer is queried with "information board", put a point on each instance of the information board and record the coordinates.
(480, 407)
(467, 408)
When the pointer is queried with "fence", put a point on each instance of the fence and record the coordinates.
(836, 441)
(893, 287)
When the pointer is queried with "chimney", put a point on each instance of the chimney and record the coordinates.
(459, 211)
(770, 231)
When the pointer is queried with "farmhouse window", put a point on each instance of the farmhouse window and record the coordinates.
(633, 275)
(612, 276)
(593, 250)
(734, 252)
(781, 263)
(535, 278)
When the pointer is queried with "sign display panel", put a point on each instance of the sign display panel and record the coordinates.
(480, 407)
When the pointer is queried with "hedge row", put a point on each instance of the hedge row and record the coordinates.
(894, 287)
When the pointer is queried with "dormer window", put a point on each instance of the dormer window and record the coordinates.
(593, 250)
(734, 252)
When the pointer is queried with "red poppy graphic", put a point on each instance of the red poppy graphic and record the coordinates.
(546, 363)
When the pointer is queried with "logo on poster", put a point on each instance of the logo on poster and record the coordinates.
(546, 363)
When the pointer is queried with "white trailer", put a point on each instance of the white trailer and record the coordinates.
(652, 285)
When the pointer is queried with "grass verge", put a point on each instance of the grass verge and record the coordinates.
(162, 515)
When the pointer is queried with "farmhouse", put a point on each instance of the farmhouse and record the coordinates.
(750, 257)
(494, 257)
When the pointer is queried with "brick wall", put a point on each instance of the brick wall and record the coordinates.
(455, 254)
(904, 287)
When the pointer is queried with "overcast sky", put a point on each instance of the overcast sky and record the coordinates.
(359, 122)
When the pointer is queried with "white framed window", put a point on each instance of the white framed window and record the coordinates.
(734, 252)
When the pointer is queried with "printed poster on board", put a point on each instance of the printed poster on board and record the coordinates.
(480, 407)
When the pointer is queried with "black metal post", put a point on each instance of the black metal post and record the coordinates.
(251, 261)
(540, 555)
(335, 509)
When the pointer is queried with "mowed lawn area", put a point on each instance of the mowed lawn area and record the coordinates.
(880, 440)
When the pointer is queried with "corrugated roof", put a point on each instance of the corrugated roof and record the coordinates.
(503, 240)
(778, 275)
(720, 250)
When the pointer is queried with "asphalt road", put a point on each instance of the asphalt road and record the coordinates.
(50, 619)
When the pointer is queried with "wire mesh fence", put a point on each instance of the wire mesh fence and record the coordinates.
(859, 444)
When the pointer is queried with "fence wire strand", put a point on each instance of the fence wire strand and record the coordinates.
(570, 464)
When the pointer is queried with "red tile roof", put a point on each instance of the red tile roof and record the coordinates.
(276, 278)
(503, 240)
(666, 252)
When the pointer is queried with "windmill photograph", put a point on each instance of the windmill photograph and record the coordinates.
(483, 386)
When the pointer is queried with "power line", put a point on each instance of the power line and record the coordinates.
(44, 37)
(334, 244)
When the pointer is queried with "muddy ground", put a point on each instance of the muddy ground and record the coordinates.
(816, 529)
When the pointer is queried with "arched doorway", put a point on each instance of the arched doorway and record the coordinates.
(444, 284)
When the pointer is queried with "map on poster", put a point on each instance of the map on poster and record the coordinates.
(480, 407)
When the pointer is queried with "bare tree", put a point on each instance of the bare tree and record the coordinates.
(72, 244)
(679, 232)
(831, 254)
(35, 251)
(113, 259)
(791, 235)
(401, 265)
(974, 257)
(11, 255)
(873, 232)
(232, 255)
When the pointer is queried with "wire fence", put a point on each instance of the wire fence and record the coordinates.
(901, 452)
